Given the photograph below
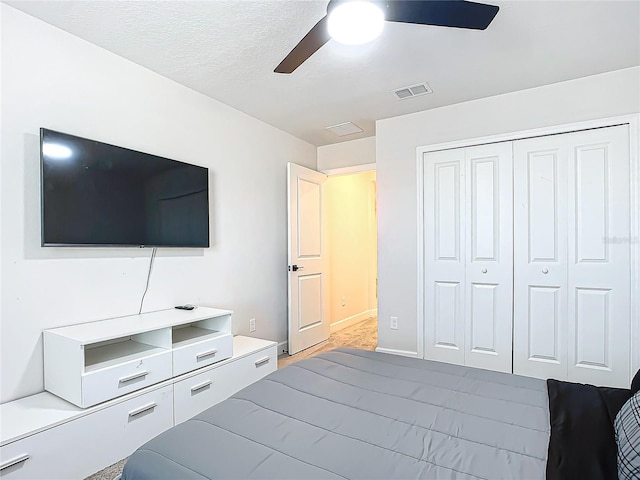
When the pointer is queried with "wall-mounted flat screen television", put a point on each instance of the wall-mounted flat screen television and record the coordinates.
(95, 194)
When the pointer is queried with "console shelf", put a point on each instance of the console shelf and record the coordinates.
(190, 334)
(94, 362)
(104, 356)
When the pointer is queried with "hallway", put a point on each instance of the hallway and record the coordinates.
(363, 335)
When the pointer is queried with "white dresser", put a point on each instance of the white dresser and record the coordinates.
(46, 437)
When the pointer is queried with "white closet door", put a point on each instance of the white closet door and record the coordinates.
(599, 257)
(444, 255)
(489, 256)
(572, 252)
(540, 257)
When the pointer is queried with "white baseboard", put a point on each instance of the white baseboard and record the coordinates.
(283, 347)
(352, 320)
(393, 351)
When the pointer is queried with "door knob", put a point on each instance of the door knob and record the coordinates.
(484, 270)
(295, 268)
(545, 270)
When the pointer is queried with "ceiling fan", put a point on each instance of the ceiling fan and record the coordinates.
(444, 13)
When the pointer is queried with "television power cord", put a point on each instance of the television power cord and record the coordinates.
(153, 256)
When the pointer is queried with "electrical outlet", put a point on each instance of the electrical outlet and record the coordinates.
(344, 300)
(252, 325)
(394, 323)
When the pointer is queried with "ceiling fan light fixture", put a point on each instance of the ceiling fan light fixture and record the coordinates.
(355, 22)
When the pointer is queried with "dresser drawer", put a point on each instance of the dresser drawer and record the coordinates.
(200, 354)
(195, 394)
(234, 376)
(82, 446)
(111, 382)
(258, 365)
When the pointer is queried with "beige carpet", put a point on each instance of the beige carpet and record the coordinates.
(362, 335)
(110, 472)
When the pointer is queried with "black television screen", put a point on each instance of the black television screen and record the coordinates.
(95, 194)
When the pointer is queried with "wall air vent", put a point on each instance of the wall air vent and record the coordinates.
(412, 91)
(342, 129)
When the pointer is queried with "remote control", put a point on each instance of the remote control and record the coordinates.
(185, 307)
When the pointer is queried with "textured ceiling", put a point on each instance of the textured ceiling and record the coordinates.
(228, 50)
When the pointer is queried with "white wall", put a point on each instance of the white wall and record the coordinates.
(347, 154)
(352, 247)
(55, 80)
(598, 96)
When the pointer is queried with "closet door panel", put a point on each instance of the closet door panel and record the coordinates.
(544, 322)
(444, 256)
(540, 257)
(489, 256)
(484, 312)
(599, 257)
(446, 315)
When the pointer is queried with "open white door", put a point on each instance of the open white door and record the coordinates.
(308, 259)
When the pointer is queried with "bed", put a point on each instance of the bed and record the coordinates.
(358, 414)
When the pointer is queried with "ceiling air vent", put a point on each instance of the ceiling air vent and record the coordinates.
(413, 91)
(342, 129)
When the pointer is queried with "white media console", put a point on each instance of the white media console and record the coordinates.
(93, 362)
(45, 437)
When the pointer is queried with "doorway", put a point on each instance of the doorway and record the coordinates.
(350, 221)
(351, 224)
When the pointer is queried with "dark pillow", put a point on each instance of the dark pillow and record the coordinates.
(635, 383)
(627, 427)
(583, 444)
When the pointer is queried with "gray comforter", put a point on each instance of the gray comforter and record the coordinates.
(358, 414)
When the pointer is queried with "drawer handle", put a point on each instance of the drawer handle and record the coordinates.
(210, 353)
(262, 361)
(133, 377)
(145, 408)
(197, 388)
(15, 461)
